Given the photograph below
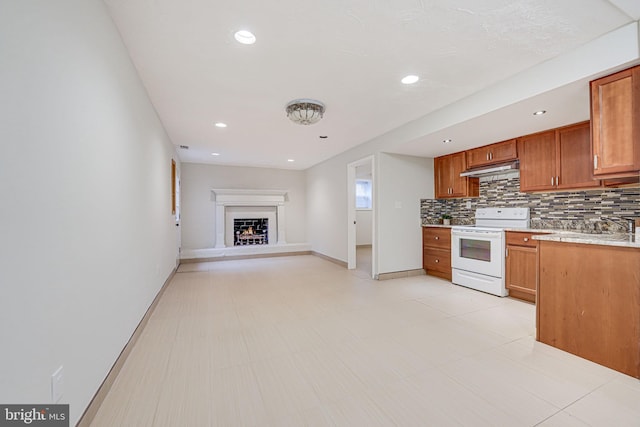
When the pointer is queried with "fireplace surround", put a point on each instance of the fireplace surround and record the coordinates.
(245, 203)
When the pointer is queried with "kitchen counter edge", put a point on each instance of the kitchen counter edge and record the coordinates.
(620, 239)
(616, 239)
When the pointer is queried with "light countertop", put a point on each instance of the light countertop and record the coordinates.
(607, 239)
(618, 239)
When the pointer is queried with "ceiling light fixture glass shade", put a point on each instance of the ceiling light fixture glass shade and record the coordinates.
(409, 80)
(245, 37)
(305, 111)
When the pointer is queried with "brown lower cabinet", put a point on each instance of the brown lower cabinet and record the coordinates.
(589, 302)
(521, 265)
(436, 255)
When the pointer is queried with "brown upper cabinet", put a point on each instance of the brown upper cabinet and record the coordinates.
(557, 159)
(574, 154)
(448, 182)
(615, 118)
(538, 166)
(491, 154)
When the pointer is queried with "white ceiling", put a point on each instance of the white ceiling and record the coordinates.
(349, 54)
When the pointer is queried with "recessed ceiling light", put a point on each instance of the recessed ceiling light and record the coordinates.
(409, 80)
(290, 160)
(540, 112)
(245, 37)
(446, 141)
(221, 125)
(215, 154)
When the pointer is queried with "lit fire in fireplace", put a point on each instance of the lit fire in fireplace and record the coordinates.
(251, 231)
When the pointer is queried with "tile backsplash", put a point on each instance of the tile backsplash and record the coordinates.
(590, 211)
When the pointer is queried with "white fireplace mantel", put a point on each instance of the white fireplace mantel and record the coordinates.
(246, 197)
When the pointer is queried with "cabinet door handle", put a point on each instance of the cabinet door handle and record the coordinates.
(506, 252)
(490, 156)
(437, 238)
(437, 260)
(595, 162)
(526, 239)
(557, 180)
(552, 178)
(487, 155)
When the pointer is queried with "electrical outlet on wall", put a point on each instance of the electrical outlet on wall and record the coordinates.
(468, 204)
(57, 385)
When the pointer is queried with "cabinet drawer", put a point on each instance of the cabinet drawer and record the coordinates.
(437, 259)
(436, 237)
(521, 238)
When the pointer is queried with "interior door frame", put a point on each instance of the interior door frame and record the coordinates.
(351, 213)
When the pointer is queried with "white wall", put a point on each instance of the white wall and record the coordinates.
(88, 237)
(199, 208)
(327, 204)
(404, 180)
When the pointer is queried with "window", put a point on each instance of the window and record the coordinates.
(363, 194)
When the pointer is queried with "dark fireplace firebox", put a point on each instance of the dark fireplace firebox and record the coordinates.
(250, 231)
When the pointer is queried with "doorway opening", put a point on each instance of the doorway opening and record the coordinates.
(361, 216)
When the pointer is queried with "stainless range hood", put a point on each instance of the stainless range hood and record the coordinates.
(492, 170)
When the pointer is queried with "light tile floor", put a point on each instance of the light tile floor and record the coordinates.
(299, 341)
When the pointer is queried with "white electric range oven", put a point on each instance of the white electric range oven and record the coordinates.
(478, 252)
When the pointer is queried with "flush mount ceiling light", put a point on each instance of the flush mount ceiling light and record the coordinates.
(215, 154)
(409, 80)
(245, 37)
(540, 112)
(305, 111)
(221, 125)
(446, 141)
